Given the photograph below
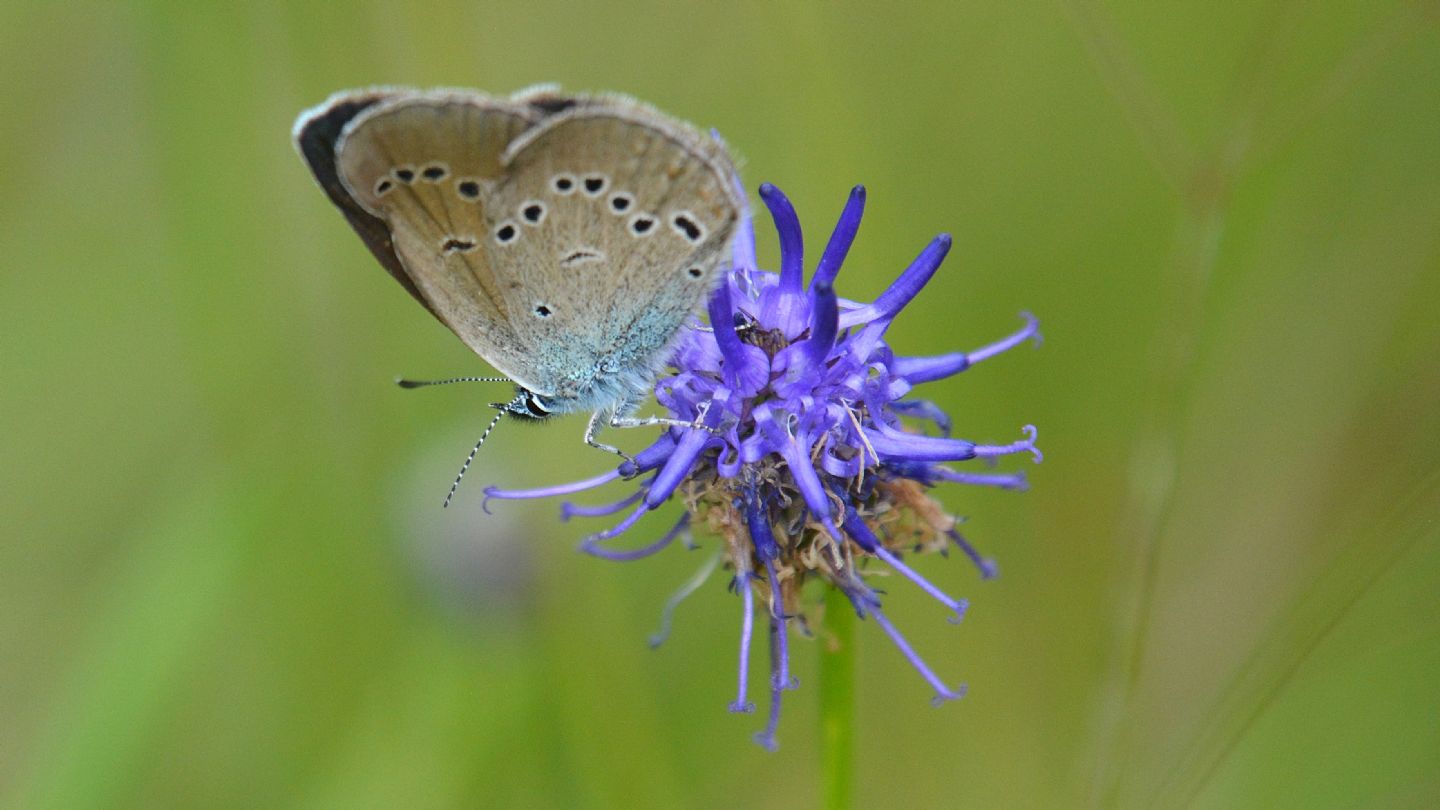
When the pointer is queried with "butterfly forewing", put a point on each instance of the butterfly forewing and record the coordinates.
(316, 134)
(421, 163)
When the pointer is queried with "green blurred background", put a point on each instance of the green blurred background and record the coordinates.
(226, 581)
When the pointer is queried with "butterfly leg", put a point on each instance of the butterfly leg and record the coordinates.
(619, 421)
(616, 419)
(593, 428)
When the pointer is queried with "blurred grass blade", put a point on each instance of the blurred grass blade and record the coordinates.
(1351, 577)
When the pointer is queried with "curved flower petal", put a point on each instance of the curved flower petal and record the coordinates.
(927, 369)
(840, 240)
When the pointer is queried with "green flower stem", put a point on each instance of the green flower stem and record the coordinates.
(837, 701)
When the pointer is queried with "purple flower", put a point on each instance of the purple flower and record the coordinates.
(801, 460)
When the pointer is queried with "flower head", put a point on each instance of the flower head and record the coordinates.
(800, 456)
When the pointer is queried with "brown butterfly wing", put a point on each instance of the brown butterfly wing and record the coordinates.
(442, 186)
(621, 220)
(418, 162)
(316, 134)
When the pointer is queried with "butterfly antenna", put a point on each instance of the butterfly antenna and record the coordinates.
(404, 383)
(470, 458)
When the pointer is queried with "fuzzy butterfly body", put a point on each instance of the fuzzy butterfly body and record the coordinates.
(565, 239)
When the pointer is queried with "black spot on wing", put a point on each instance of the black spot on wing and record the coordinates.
(687, 227)
(581, 256)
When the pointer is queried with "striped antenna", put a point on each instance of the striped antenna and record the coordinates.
(404, 383)
(471, 457)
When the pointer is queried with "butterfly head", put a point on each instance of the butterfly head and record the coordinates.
(526, 405)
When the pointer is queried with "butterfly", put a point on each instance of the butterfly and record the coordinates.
(566, 239)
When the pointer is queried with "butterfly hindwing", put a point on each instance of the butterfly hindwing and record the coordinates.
(620, 219)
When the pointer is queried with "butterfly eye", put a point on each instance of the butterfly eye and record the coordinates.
(620, 202)
(695, 272)
(533, 212)
(383, 187)
(542, 311)
(563, 183)
(405, 174)
(435, 172)
(468, 189)
(506, 233)
(595, 183)
(684, 224)
(641, 224)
